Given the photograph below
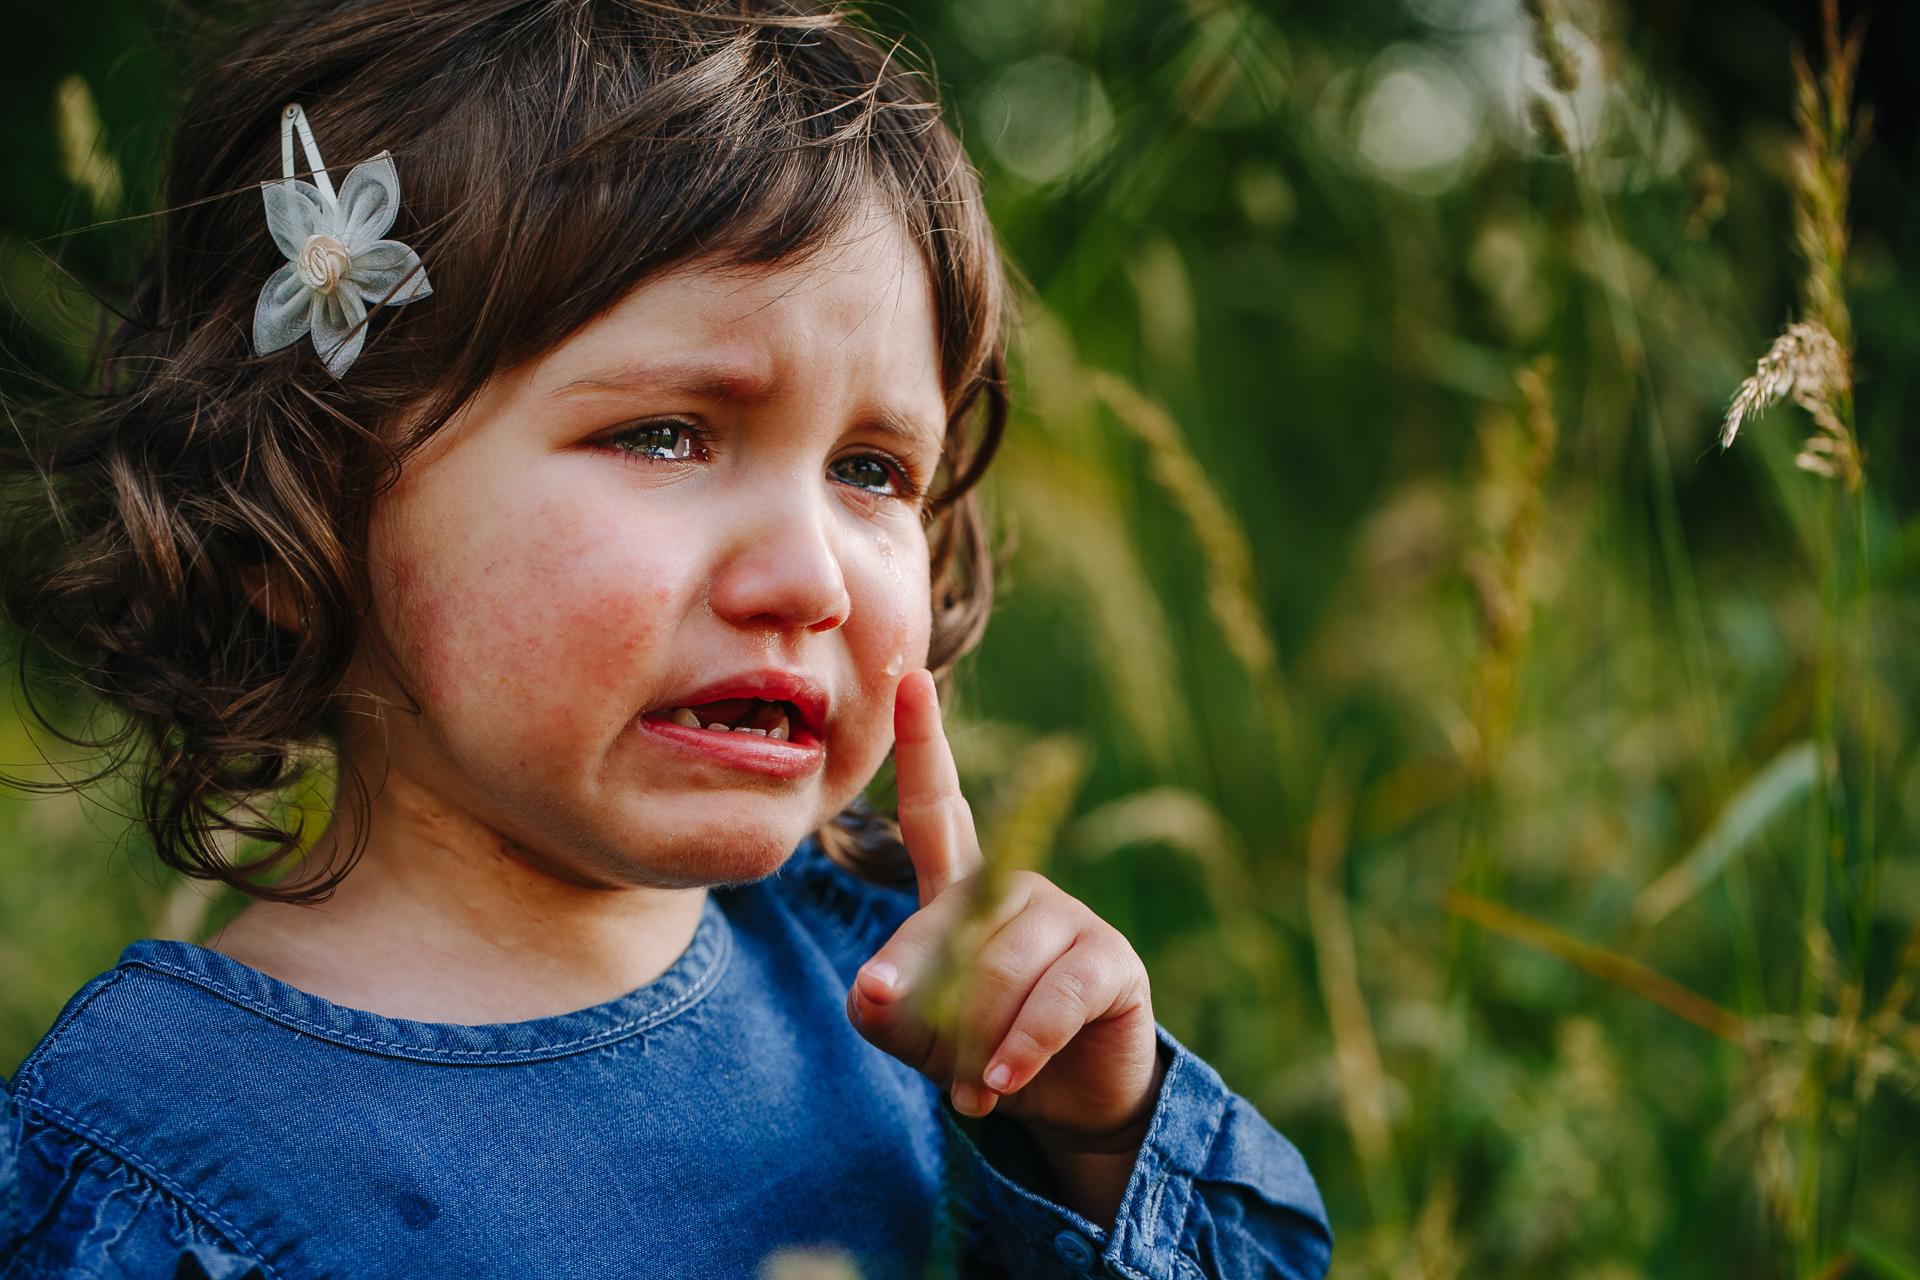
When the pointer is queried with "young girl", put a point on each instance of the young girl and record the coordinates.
(610, 567)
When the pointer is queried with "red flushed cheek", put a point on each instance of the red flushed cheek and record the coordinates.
(417, 614)
(558, 625)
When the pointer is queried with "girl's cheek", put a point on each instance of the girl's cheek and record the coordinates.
(557, 618)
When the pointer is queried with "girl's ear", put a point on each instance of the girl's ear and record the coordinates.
(268, 594)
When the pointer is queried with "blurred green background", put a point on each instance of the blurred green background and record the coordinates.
(1513, 793)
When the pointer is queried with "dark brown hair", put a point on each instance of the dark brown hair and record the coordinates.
(553, 154)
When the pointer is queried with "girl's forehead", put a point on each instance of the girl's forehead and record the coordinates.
(861, 307)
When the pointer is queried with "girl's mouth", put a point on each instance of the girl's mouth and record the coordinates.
(774, 720)
(751, 735)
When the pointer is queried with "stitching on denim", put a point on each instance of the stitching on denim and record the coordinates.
(1184, 1229)
(30, 1069)
(99, 1139)
(702, 985)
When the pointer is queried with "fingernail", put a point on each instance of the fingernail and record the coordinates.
(999, 1076)
(966, 1099)
(883, 973)
(853, 1011)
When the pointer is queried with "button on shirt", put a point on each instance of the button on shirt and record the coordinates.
(189, 1116)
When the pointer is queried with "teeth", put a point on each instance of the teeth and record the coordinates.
(721, 726)
(779, 730)
(761, 732)
(685, 717)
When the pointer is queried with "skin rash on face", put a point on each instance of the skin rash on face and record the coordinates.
(709, 495)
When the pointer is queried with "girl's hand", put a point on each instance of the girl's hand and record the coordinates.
(1055, 1024)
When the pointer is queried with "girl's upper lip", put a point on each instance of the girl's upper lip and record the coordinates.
(768, 685)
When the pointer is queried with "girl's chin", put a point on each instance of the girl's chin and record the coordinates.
(750, 839)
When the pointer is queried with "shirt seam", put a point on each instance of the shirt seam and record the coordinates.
(108, 1146)
(1160, 1154)
(29, 1072)
(703, 984)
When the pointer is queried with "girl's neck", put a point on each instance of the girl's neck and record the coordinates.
(445, 920)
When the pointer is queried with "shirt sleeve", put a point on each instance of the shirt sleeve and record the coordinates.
(1216, 1193)
(70, 1210)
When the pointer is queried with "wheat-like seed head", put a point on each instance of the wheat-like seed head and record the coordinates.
(1805, 363)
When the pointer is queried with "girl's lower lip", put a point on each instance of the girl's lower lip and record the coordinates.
(747, 752)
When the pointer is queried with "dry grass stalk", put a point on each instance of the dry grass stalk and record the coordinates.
(1812, 361)
(1608, 966)
(1803, 1063)
(1073, 520)
(1563, 69)
(1501, 572)
(1832, 137)
(1793, 1098)
(1433, 1253)
(1223, 544)
(1363, 1093)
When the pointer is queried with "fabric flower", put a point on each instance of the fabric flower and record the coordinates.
(337, 263)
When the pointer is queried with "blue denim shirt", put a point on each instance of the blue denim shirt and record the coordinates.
(188, 1116)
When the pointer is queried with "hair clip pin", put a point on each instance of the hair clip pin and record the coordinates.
(337, 262)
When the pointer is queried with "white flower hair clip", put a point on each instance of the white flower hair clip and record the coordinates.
(336, 261)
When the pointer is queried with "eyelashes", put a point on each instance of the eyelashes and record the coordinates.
(662, 440)
(879, 474)
(871, 472)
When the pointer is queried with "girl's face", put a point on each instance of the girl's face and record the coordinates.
(702, 510)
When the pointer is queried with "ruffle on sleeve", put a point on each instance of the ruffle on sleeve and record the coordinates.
(9, 1170)
(205, 1262)
(71, 1210)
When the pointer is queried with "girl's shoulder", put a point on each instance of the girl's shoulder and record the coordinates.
(73, 1194)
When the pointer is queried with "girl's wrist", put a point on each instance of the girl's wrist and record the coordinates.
(1091, 1171)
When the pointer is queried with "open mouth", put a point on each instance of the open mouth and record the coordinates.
(775, 720)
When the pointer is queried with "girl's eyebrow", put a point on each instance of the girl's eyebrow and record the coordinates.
(904, 427)
(693, 378)
(706, 381)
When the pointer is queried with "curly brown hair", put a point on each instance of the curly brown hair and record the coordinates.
(554, 154)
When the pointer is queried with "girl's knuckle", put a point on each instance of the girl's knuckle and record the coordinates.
(1072, 988)
(1024, 1043)
(1004, 971)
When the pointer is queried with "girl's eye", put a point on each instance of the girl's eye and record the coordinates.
(662, 441)
(866, 472)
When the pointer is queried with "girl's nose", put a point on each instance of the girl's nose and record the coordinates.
(784, 575)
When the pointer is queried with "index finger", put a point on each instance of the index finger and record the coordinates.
(935, 820)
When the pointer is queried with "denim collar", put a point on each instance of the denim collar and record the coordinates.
(681, 987)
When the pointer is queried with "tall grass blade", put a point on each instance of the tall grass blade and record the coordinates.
(1223, 549)
(1608, 966)
(1363, 1092)
(1187, 822)
(1071, 524)
(1879, 1258)
(1767, 795)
